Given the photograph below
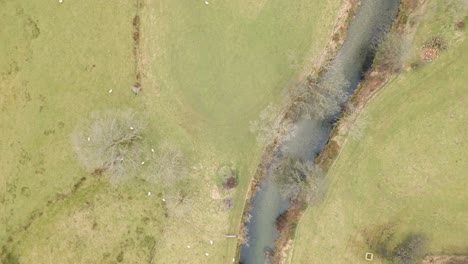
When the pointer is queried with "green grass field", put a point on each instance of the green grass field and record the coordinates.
(208, 70)
(407, 173)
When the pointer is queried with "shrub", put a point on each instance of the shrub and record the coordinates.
(435, 43)
(230, 183)
(228, 175)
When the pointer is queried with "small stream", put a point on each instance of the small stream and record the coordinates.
(372, 21)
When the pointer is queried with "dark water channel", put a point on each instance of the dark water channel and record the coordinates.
(372, 21)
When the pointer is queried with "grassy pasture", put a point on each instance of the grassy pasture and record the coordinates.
(207, 71)
(407, 173)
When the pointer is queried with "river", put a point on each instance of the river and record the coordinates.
(372, 21)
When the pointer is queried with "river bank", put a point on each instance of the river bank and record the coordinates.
(312, 109)
(375, 73)
(377, 189)
(405, 25)
(337, 37)
(374, 80)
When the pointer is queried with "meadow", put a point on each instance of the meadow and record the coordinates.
(405, 173)
(207, 70)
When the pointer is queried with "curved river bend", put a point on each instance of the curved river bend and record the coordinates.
(372, 21)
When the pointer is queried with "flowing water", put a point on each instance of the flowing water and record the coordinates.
(372, 21)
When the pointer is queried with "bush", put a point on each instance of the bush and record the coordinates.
(228, 176)
(230, 183)
(111, 143)
(435, 43)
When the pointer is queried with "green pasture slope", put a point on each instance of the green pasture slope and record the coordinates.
(207, 70)
(408, 172)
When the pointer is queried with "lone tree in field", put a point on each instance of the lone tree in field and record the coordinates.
(111, 143)
(299, 181)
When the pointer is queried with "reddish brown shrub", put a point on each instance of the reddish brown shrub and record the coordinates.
(230, 183)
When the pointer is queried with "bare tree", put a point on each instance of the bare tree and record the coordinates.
(392, 52)
(110, 143)
(299, 181)
(267, 127)
(168, 166)
(319, 99)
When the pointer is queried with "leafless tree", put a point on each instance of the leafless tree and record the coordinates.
(110, 143)
(392, 52)
(268, 126)
(323, 99)
(299, 181)
(168, 166)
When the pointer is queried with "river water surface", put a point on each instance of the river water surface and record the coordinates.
(373, 19)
